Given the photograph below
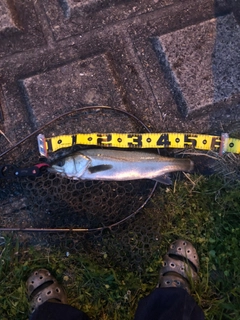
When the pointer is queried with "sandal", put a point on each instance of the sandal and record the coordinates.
(42, 287)
(180, 266)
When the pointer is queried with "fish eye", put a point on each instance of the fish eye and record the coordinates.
(60, 163)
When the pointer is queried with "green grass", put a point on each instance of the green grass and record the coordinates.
(204, 211)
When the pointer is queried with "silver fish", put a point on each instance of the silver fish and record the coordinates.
(112, 165)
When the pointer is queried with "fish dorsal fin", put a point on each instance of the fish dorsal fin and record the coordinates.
(99, 168)
(164, 179)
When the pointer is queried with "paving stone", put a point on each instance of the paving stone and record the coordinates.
(130, 83)
(72, 7)
(89, 7)
(145, 33)
(20, 29)
(201, 61)
(69, 17)
(7, 21)
(87, 82)
(176, 114)
(5, 127)
(1, 114)
(235, 6)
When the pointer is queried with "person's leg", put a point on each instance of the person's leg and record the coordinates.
(57, 311)
(168, 304)
(171, 300)
(48, 300)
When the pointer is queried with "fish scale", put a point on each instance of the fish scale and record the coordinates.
(114, 165)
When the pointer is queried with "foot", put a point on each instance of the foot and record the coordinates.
(180, 266)
(42, 287)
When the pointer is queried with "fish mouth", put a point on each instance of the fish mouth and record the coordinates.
(54, 168)
(58, 166)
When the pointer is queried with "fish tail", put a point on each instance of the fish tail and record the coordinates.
(188, 165)
(185, 165)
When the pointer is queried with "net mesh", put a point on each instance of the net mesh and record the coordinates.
(104, 212)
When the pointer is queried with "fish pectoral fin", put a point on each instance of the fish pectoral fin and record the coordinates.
(99, 168)
(164, 179)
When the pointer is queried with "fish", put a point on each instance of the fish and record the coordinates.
(118, 165)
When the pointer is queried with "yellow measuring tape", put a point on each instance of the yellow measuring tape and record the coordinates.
(219, 144)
